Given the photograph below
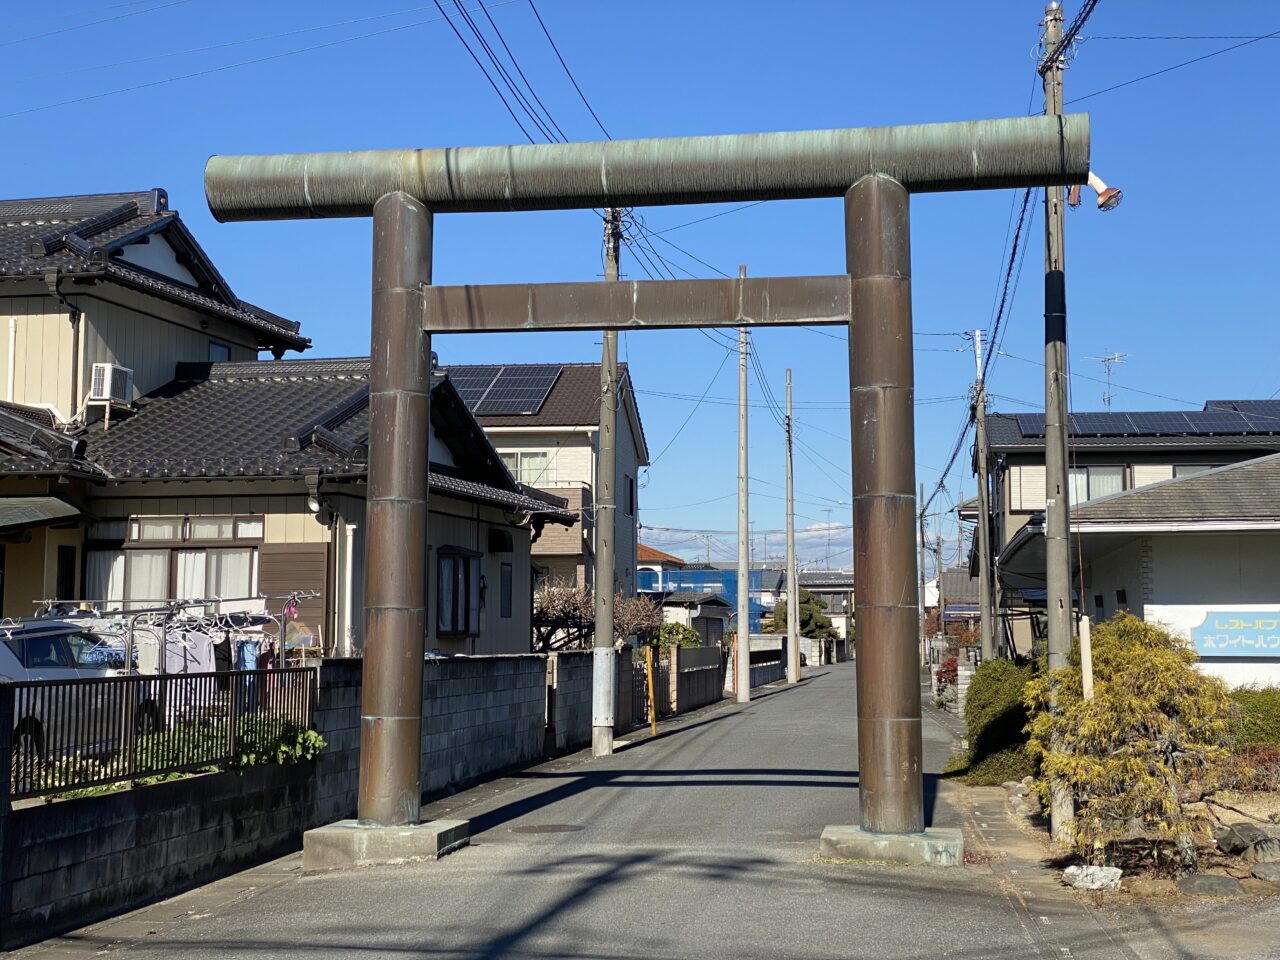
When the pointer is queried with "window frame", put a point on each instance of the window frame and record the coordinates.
(506, 589)
(1125, 479)
(459, 624)
(184, 539)
(545, 476)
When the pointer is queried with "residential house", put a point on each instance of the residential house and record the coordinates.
(1198, 553)
(707, 613)
(1110, 453)
(544, 419)
(835, 589)
(650, 560)
(208, 472)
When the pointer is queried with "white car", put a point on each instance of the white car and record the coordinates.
(52, 720)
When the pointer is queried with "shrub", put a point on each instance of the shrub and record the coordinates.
(678, 635)
(948, 671)
(995, 719)
(1254, 767)
(1148, 743)
(1258, 720)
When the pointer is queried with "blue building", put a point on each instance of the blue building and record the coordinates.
(765, 585)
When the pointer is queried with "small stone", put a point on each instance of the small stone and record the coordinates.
(1269, 872)
(1262, 851)
(1208, 885)
(1148, 886)
(1010, 784)
(1092, 878)
(1029, 780)
(1021, 808)
(1237, 837)
(1257, 888)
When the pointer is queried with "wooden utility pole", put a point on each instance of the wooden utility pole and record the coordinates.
(742, 666)
(985, 612)
(793, 585)
(1057, 500)
(604, 666)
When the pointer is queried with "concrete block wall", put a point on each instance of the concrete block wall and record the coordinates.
(480, 716)
(762, 673)
(569, 700)
(337, 719)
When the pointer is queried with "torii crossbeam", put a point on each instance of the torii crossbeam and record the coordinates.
(875, 170)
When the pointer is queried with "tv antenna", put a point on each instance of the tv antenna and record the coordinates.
(1108, 361)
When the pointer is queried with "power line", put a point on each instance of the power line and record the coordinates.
(93, 23)
(463, 40)
(1247, 36)
(568, 72)
(680, 430)
(1176, 66)
(1068, 37)
(224, 67)
(722, 213)
(994, 333)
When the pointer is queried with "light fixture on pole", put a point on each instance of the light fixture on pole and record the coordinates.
(1108, 197)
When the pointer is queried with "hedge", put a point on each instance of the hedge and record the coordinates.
(995, 719)
(1259, 719)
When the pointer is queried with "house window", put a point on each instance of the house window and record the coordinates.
(504, 591)
(176, 558)
(457, 592)
(1191, 469)
(1121, 597)
(530, 466)
(219, 352)
(631, 496)
(1090, 483)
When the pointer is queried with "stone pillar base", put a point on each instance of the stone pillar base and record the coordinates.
(936, 847)
(351, 843)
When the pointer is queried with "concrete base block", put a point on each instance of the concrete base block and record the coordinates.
(351, 843)
(936, 847)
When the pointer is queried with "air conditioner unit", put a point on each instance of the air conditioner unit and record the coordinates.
(111, 383)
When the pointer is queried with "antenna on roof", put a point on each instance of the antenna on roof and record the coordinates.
(1108, 361)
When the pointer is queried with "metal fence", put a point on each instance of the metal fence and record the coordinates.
(70, 734)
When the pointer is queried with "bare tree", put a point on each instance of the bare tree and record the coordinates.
(637, 617)
(563, 617)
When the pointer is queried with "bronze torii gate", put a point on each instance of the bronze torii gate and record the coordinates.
(875, 170)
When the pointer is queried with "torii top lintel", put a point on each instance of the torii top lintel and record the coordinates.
(973, 155)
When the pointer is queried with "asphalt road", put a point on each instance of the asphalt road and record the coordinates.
(700, 843)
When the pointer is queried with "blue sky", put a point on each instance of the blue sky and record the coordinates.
(126, 96)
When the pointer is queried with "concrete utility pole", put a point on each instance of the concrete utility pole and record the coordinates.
(924, 645)
(603, 663)
(985, 612)
(742, 667)
(1057, 501)
(937, 572)
(793, 581)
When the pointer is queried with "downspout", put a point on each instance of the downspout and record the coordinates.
(13, 356)
(52, 279)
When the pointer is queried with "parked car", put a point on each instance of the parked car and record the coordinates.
(64, 719)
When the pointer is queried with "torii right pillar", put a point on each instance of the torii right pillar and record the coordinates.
(882, 431)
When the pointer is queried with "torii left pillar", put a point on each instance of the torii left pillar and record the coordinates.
(388, 826)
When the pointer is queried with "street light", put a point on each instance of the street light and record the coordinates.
(1108, 197)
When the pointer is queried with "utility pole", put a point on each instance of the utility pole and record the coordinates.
(1057, 505)
(924, 645)
(742, 667)
(603, 664)
(793, 581)
(985, 612)
(937, 572)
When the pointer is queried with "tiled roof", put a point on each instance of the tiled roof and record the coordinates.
(1249, 490)
(83, 236)
(958, 586)
(272, 419)
(647, 554)
(839, 579)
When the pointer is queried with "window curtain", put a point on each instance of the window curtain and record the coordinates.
(146, 577)
(230, 573)
(1078, 484)
(104, 576)
(1104, 481)
(445, 594)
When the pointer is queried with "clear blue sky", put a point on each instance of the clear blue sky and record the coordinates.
(1181, 278)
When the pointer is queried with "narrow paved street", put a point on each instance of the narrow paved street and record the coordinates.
(699, 843)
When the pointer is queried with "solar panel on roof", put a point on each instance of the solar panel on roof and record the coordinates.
(1101, 424)
(518, 390)
(1262, 423)
(1216, 421)
(1158, 424)
(473, 382)
(1031, 424)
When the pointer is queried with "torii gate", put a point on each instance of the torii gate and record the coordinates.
(875, 170)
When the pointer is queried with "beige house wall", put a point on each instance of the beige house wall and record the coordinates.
(42, 355)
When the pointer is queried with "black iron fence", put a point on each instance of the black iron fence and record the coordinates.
(71, 734)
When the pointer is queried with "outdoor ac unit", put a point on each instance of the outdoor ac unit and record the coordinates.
(111, 383)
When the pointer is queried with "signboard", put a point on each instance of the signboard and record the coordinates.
(1223, 631)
